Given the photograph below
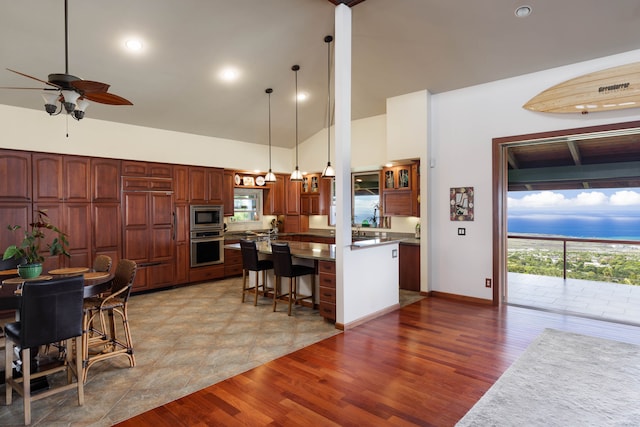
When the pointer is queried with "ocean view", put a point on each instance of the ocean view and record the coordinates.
(582, 226)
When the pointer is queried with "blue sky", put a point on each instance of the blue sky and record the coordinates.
(625, 201)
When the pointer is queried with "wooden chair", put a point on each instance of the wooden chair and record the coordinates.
(102, 263)
(250, 262)
(283, 267)
(114, 303)
(50, 311)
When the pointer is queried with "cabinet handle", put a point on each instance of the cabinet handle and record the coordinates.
(174, 226)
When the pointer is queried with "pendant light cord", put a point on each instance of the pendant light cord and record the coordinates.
(296, 68)
(269, 92)
(328, 39)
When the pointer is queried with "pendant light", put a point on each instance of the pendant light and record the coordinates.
(270, 176)
(296, 175)
(329, 171)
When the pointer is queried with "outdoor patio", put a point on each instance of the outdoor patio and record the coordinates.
(601, 300)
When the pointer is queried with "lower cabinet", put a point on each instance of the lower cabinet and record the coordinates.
(409, 267)
(232, 260)
(327, 275)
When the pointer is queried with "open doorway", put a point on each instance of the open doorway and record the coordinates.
(593, 160)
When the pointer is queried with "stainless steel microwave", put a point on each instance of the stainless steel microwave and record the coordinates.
(204, 217)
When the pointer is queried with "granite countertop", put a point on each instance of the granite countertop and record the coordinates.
(359, 241)
(308, 250)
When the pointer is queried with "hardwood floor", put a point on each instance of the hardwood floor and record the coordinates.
(425, 364)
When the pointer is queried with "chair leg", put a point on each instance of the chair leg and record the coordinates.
(292, 293)
(8, 371)
(256, 288)
(276, 286)
(244, 283)
(26, 384)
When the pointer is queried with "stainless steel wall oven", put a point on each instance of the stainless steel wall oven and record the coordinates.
(207, 235)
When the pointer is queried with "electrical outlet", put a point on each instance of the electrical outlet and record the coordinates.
(487, 282)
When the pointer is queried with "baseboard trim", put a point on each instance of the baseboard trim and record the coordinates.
(455, 297)
(365, 319)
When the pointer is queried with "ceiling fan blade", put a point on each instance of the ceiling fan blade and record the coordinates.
(107, 98)
(88, 86)
(34, 78)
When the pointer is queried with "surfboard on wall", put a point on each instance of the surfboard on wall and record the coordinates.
(611, 89)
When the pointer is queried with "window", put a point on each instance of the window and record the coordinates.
(247, 205)
(366, 198)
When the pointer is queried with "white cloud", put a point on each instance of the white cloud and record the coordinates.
(543, 199)
(625, 198)
(595, 198)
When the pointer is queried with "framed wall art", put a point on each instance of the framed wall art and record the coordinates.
(461, 204)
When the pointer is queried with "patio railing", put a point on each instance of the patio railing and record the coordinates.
(592, 259)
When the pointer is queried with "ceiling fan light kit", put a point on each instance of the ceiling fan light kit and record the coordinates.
(71, 94)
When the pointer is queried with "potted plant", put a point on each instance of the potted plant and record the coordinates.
(29, 249)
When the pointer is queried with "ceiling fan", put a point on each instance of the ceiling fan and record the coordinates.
(72, 92)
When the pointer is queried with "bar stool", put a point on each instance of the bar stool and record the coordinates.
(250, 262)
(283, 266)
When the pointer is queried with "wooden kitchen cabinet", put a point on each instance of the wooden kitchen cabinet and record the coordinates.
(292, 196)
(400, 190)
(274, 200)
(156, 170)
(15, 176)
(232, 260)
(180, 184)
(227, 192)
(148, 237)
(107, 230)
(47, 177)
(409, 266)
(105, 180)
(327, 299)
(205, 185)
(181, 235)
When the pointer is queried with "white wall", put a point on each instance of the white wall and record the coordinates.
(463, 123)
(27, 129)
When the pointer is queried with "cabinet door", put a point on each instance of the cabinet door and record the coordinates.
(181, 184)
(305, 204)
(275, 199)
(77, 179)
(47, 177)
(15, 176)
(197, 185)
(161, 226)
(133, 168)
(409, 263)
(135, 230)
(292, 197)
(215, 183)
(55, 215)
(326, 185)
(14, 214)
(77, 225)
(107, 230)
(105, 180)
(159, 170)
(227, 197)
(181, 230)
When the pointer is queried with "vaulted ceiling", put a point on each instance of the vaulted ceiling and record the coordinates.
(399, 46)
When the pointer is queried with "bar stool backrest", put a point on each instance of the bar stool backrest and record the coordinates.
(282, 264)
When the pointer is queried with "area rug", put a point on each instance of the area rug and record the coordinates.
(565, 379)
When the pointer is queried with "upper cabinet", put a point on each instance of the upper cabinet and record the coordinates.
(315, 195)
(146, 169)
(227, 192)
(76, 179)
(47, 177)
(206, 185)
(105, 180)
(15, 176)
(274, 200)
(400, 190)
(181, 184)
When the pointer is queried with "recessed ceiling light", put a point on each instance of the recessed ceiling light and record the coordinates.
(523, 11)
(229, 74)
(303, 96)
(134, 45)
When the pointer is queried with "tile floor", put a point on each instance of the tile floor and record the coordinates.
(601, 300)
(185, 339)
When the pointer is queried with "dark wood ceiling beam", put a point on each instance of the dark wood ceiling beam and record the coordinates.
(575, 173)
(349, 3)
